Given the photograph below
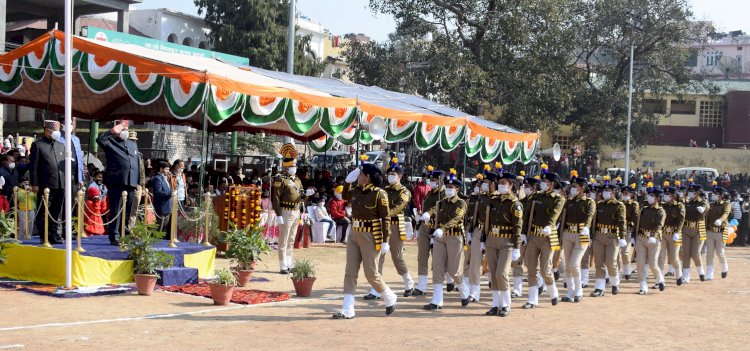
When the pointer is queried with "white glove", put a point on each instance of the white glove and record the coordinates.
(652, 240)
(676, 237)
(385, 247)
(432, 241)
(424, 217)
(482, 247)
(515, 255)
(547, 231)
(632, 241)
(623, 243)
(523, 239)
(353, 175)
(585, 231)
(438, 233)
(701, 209)
(279, 220)
(468, 237)
(717, 222)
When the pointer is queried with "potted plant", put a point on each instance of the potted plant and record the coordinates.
(246, 246)
(303, 277)
(222, 286)
(146, 259)
(6, 238)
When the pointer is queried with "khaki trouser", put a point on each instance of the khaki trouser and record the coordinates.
(715, 244)
(134, 212)
(360, 249)
(499, 255)
(447, 256)
(572, 254)
(538, 257)
(626, 256)
(691, 247)
(605, 255)
(586, 259)
(423, 249)
(647, 254)
(670, 250)
(287, 233)
(473, 259)
(397, 252)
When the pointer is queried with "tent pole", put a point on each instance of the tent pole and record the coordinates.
(68, 152)
(203, 156)
(463, 183)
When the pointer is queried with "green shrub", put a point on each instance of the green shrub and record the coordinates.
(140, 247)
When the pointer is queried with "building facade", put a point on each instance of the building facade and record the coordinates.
(171, 26)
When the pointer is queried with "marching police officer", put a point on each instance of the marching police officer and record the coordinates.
(672, 238)
(649, 239)
(424, 235)
(529, 191)
(609, 236)
(287, 199)
(694, 231)
(632, 210)
(578, 217)
(716, 220)
(473, 262)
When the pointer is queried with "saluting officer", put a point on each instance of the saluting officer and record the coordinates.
(543, 240)
(672, 238)
(287, 200)
(398, 197)
(649, 239)
(503, 220)
(424, 235)
(694, 231)
(448, 249)
(717, 219)
(368, 240)
(579, 214)
(475, 223)
(609, 236)
(632, 210)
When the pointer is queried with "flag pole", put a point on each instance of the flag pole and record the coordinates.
(68, 185)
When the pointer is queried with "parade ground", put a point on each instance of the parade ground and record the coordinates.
(700, 315)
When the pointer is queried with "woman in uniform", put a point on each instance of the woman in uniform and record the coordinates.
(716, 221)
(648, 239)
(577, 216)
(694, 231)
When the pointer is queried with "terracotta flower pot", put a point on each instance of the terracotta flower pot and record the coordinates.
(244, 276)
(221, 293)
(303, 286)
(145, 283)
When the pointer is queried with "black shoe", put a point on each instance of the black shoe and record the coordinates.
(504, 312)
(585, 286)
(418, 292)
(669, 274)
(565, 285)
(114, 243)
(703, 277)
(724, 275)
(492, 312)
(597, 293)
(606, 281)
(432, 307)
(627, 276)
(554, 302)
(541, 289)
(340, 315)
(389, 310)
(642, 292)
(556, 274)
(565, 299)
(615, 290)
(489, 285)
(472, 299)
(661, 286)
(679, 281)
(577, 299)
(528, 306)
(370, 297)
(408, 292)
(450, 287)
(656, 286)
(284, 271)
(514, 295)
(464, 302)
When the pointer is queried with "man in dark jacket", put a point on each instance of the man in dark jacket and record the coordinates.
(48, 172)
(10, 173)
(123, 174)
(162, 196)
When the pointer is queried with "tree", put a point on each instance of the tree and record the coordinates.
(536, 64)
(257, 29)
(249, 142)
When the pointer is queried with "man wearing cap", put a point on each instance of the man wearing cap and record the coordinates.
(424, 235)
(286, 202)
(447, 254)
(368, 240)
(609, 236)
(529, 192)
(133, 135)
(398, 198)
(578, 217)
(648, 239)
(672, 236)
(48, 172)
(543, 240)
(123, 174)
(473, 260)
(694, 231)
(501, 236)
(717, 222)
(632, 210)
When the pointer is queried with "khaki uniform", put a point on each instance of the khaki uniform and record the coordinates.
(286, 202)
(579, 213)
(670, 248)
(503, 223)
(650, 226)
(425, 234)
(610, 228)
(370, 227)
(517, 266)
(632, 209)
(475, 223)
(447, 251)
(547, 207)
(398, 198)
(716, 235)
(694, 233)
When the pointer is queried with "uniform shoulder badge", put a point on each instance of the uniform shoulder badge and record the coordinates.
(517, 209)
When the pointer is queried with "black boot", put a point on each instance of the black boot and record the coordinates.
(408, 292)
(492, 312)
(615, 290)
(597, 293)
(724, 275)
(370, 297)
(432, 307)
(450, 287)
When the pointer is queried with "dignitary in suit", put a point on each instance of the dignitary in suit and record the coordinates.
(48, 172)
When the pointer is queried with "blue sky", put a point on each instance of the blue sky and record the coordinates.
(347, 16)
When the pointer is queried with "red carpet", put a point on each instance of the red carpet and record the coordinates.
(245, 297)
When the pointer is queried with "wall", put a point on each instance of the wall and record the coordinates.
(672, 157)
(680, 136)
(737, 119)
(160, 23)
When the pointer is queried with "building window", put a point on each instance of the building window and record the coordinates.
(187, 41)
(203, 45)
(679, 107)
(654, 106)
(565, 141)
(712, 58)
(711, 114)
(172, 38)
(693, 59)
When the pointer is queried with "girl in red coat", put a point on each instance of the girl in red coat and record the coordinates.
(95, 207)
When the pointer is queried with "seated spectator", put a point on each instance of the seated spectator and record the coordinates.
(337, 207)
(322, 216)
(95, 208)
(4, 205)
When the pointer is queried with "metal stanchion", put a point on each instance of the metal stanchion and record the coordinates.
(123, 213)
(207, 219)
(27, 191)
(81, 234)
(15, 206)
(145, 204)
(173, 224)
(46, 218)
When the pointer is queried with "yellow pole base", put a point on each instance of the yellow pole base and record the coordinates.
(83, 235)
(47, 245)
(172, 244)
(80, 249)
(206, 243)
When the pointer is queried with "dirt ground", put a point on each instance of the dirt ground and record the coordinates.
(700, 315)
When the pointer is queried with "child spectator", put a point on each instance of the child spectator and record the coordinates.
(94, 211)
